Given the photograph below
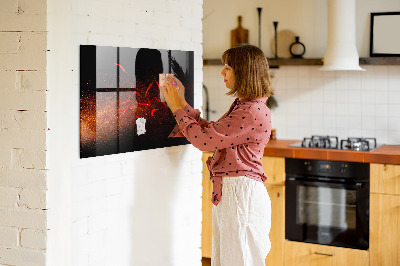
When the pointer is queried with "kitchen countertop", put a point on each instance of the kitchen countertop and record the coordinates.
(389, 154)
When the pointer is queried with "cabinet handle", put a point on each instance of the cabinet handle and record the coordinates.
(324, 254)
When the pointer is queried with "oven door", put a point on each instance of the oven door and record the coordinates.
(327, 213)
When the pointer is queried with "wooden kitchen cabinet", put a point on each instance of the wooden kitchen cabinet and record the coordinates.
(385, 215)
(277, 233)
(305, 254)
(206, 225)
(384, 236)
(274, 168)
(385, 178)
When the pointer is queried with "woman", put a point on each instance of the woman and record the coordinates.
(242, 211)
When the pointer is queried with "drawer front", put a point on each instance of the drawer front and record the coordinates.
(297, 253)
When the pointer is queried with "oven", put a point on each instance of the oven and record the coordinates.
(327, 202)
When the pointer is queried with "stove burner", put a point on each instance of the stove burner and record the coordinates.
(358, 144)
(332, 142)
(328, 142)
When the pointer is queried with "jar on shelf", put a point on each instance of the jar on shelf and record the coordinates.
(297, 49)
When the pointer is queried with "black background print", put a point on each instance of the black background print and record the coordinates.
(118, 87)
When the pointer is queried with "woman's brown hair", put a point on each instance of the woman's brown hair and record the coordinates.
(250, 66)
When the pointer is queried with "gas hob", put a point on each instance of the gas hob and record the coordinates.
(332, 142)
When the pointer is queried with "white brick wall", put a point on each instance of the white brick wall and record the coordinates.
(11, 256)
(34, 239)
(23, 178)
(9, 197)
(9, 237)
(23, 218)
(23, 132)
(138, 208)
(113, 210)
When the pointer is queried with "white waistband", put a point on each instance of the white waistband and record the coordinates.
(235, 179)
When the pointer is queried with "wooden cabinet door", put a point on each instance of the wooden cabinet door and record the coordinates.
(385, 178)
(274, 168)
(206, 226)
(384, 237)
(277, 233)
(304, 254)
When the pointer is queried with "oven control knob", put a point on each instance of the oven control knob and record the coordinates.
(343, 168)
(308, 166)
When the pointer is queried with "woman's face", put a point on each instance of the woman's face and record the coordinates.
(229, 76)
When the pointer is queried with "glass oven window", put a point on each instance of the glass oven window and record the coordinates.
(326, 207)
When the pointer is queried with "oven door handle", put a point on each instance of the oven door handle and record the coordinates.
(352, 185)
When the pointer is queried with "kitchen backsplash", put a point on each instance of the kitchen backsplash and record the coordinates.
(314, 102)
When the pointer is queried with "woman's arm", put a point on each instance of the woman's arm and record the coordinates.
(174, 93)
(239, 127)
(195, 114)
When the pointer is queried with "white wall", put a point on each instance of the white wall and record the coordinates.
(23, 133)
(139, 208)
(343, 104)
(311, 102)
(306, 19)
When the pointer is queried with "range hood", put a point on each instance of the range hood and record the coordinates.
(341, 51)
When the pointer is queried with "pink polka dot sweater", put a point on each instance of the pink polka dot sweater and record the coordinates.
(238, 139)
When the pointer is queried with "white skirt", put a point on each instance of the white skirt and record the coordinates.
(241, 223)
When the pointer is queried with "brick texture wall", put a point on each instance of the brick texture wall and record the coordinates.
(138, 208)
(23, 119)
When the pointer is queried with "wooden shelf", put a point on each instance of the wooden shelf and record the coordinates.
(212, 62)
(273, 63)
(380, 61)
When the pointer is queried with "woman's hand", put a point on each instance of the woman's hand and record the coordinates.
(181, 89)
(174, 93)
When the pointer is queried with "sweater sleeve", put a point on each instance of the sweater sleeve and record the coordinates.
(193, 113)
(231, 130)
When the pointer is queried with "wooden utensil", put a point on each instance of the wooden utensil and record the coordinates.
(239, 35)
